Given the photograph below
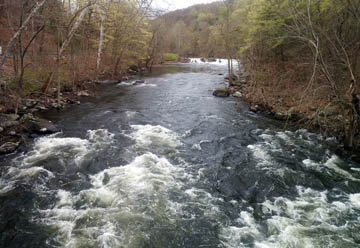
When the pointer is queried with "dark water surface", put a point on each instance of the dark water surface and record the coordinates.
(166, 164)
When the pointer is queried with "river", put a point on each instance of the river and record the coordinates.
(166, 164)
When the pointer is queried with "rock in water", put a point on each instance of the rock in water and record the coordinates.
(254, 108)
(9, 147)
(38, 126)
(237, 94)
(223, 92)
(83, 93)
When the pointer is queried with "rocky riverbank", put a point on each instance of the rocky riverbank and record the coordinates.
(327, 121)
(20, 116)
(19, 124)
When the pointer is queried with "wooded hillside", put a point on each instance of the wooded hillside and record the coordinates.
(54, 43)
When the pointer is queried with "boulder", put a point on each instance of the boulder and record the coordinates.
(29, 103)
(203, 60)
(234, 78)
(254, 108)
(9, 147)
(237, 94)
(132, 72)
(41, 107)
(8, 121)
(39, 126)
(9, 124)
(83, 93)
(9, 117)
(212, 60)
(222, 92)
(134, 68)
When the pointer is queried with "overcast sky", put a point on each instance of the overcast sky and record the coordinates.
(178, 4)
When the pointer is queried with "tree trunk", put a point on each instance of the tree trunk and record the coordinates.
(20, 30)
(65, 45)
(101, 38)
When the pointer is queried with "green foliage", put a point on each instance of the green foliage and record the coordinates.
(170, 57)
(32, 81)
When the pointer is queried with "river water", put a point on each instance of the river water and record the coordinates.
(166, 164)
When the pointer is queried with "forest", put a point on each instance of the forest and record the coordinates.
(301, 59)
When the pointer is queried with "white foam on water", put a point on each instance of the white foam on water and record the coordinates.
(66, 151)
(47, 147)
(295, 222)
(74, 149)
(198, 146)
(146, 85)
(265, 161)
(331, 164)
(218, 62)
(235, 236)
(355, 200)
(130, 114)
(125, 84)
(260, 154)
(120, 201)
(148, 135)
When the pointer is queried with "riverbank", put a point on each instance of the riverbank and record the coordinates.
(20, 120)
(298, 110)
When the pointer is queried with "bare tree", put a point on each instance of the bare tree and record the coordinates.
(79, 16)
(20, 30)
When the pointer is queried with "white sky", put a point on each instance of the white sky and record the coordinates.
(178, 4)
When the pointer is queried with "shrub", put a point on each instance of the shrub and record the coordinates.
(170, 57)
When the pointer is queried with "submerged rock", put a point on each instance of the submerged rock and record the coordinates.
(222, 92)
